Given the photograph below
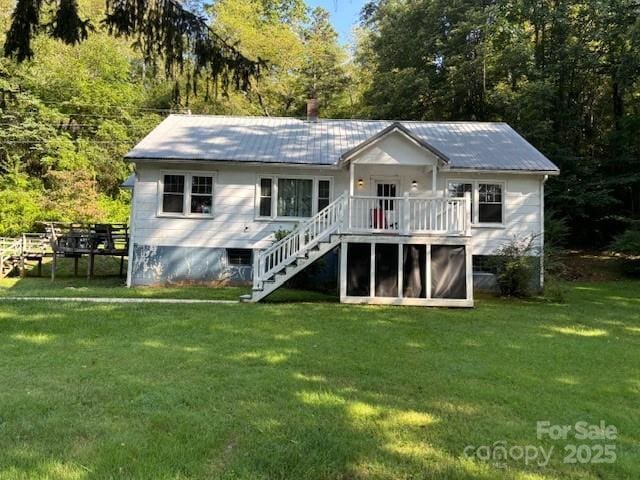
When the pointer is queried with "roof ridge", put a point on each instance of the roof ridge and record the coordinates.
(330, 120)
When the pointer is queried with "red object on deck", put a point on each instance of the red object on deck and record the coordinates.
(379, 218)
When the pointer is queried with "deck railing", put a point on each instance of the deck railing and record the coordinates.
(410, 215)
(10, 251)
(300, 240)
(365, 215)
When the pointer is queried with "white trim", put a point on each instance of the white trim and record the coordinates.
(475, 199)
(372, 271)
(400, 270)
(274, 217)
(417, 239)
(428, 272)
(415, 302)
(132, 223)
(343, 268)
(400, 299)
(188, 164)
(434, 180)
(186, 196)
(493, 171)
(468, 253)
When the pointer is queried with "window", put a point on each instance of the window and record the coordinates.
(324, 194)
(173, 194)
(458, 189)
(489, 203)
(185, 194)
(265, 197)
(292, 197)
(202, 195)
(239, 256)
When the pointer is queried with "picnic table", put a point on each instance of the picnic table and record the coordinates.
(73, 240)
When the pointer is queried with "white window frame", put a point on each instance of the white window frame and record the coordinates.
(274, 195)
(475, 223)
(186, 201)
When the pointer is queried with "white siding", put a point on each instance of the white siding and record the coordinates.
(234, 224)
(522, 209)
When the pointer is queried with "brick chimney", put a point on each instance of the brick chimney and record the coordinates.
(312, 110)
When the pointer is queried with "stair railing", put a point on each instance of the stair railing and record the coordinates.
(304, 237)
(10, 250)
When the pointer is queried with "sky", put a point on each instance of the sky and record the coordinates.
(345, 14)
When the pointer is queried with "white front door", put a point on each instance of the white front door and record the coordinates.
(386, 189)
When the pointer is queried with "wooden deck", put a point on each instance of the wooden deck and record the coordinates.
(63, 240)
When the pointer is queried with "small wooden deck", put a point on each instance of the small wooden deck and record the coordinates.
(64, 240)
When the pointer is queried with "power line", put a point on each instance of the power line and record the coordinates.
(80, 104)
(98, 115)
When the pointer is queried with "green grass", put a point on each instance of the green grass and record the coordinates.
(106, 283)
(314, 390)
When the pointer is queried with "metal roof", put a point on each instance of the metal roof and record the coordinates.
(129, 182)
(467, 145)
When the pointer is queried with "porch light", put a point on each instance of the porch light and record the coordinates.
(360, 182)
(414, 184)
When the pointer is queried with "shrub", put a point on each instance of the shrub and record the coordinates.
(280, 234)
(515, 267)
(554, 290)
(627, 244)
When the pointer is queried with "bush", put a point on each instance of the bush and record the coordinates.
(280, 234)
(627, 245)
(554, 290)
(514, 264)
(628, 242)
(19, 211)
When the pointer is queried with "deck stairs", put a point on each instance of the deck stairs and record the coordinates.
(10, 255)
(311, 240)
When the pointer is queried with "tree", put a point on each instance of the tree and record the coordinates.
(162, 29)
(564, 73)
(324, 73)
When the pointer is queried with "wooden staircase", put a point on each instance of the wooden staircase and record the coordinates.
(10, 255)
(307, 243)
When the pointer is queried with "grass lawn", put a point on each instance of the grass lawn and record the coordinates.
(314, 390)
(106, 283)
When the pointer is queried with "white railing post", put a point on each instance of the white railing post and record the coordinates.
(467, 213)
(349, 209)
(405, 214)
(257, 274)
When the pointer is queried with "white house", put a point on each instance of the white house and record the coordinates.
(413, 208)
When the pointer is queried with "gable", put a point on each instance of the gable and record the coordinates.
(395, 148)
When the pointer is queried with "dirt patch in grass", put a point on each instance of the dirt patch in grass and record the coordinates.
(591, 266)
